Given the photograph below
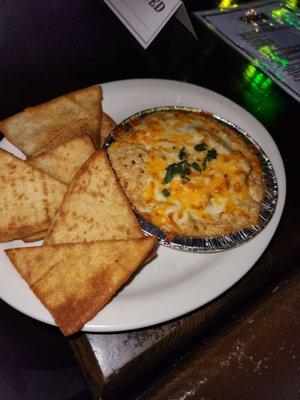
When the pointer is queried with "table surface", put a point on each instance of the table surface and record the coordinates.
(50, 48)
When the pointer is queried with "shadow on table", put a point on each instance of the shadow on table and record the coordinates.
(35, 361)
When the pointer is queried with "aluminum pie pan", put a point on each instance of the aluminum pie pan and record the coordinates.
(202, 244)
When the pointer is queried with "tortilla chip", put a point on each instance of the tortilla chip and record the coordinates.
(47, 125)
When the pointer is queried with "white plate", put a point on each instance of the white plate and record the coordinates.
(175, 282)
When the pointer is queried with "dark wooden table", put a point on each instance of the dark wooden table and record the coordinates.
(52, 47)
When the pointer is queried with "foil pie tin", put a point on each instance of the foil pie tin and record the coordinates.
(218, 243)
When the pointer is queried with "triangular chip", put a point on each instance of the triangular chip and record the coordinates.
(75, 281)
(94, 207)
(107, 125)
(35, 237)
(29, 198)
(47, 125)
(62, 162)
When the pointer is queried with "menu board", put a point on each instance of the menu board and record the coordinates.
(267, 33)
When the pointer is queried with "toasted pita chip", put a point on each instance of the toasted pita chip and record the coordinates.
(47, 125)
(94, 207)
(29, 198)
(75, 281)
(107, 125)
(62, 162)
(35, 237)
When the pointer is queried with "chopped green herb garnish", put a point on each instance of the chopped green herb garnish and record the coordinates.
(211, 155)
(172, 170)
(184, 168)
(166, 193)
(197, 166)
(183, 155)
(127, 126)
(200, 147)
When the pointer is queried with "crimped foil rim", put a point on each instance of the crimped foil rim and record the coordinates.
(218, 243)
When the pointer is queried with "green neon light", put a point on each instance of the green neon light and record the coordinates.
(250, 71)
(284, 16)
(269, 51)
(259, 94)
(225, 4)
(293, 4)
(256, 79)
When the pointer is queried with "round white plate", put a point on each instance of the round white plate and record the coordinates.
(175, 282)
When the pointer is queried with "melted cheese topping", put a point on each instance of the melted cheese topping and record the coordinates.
(219, 200)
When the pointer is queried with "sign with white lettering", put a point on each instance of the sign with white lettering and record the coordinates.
(144, 18)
